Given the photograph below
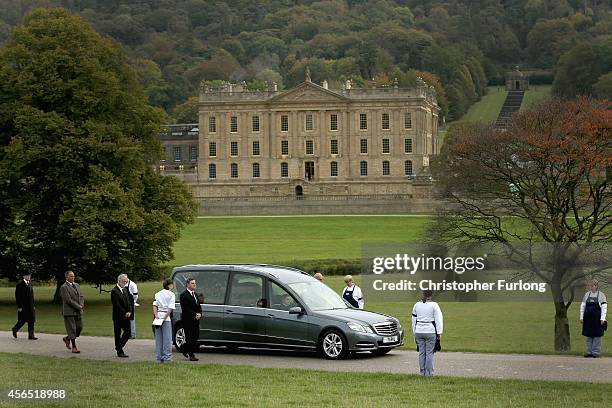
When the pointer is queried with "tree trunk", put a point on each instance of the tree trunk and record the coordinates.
(562, 333)
(59, 279)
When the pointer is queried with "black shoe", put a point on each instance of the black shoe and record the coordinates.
(14, 333)
(193, 358)
(588, 355)
(595, 356)
(33, 338)
(122, 355)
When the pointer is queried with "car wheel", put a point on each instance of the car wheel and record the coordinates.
(179, 337)
(333, 345)
(381, 351)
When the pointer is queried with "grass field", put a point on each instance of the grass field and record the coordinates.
(487, 109)
(113, 384)
(281, 240)
(500, 327)
(535, 94)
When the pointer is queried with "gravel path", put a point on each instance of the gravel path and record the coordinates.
(506, 366)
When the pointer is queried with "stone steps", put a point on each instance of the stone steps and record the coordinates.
(511, 105)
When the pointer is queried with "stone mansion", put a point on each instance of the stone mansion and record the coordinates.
(308, 141)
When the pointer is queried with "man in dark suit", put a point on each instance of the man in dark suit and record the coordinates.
(191, 313)
(24, 294)
(122, 311)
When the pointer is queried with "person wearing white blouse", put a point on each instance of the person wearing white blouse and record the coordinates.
(352, 293)
(593, 310)
(163, 305)
(427, 326)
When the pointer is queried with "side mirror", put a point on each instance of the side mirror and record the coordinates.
(296, 310)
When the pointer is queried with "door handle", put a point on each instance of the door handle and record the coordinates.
(229, 311)
(271, 316)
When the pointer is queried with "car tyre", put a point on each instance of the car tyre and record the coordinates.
(333, 345)
(179, 336)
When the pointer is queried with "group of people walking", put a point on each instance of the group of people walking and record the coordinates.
(427, 318)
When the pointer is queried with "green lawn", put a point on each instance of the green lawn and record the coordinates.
(282, 240)
(112, 384)
(500, 327)
(535, 94)
(487, 109)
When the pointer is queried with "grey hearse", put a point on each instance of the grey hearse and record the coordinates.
(280, 308)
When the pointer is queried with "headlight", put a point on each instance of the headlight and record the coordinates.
(359, 327)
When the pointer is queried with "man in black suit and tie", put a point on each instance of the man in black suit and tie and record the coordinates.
(191, 313)
(122, 311)
(24, 294)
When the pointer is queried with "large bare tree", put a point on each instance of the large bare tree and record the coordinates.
(547, 179)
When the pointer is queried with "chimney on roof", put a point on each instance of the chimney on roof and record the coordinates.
(325, 84)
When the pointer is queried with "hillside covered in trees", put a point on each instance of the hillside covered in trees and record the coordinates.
(458, 46)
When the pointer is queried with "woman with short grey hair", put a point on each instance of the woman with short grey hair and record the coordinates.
(593, 310)
(427, 326)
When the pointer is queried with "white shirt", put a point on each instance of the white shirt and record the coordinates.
(164, 300)
(133, 288)
(601, 298)
(357, 295)
(423, 314)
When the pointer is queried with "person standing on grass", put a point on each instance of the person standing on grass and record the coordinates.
(427, 326)
(352, 293)
(163, 305)
(122, 312)
(191, 313)
(133, 292)
(73, 304)
(24, 295)
(593, 310)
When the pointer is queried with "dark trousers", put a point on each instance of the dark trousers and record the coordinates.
(192, 334)
(21, 320)
(121, 339)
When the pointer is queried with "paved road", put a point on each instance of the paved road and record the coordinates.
(517, 366)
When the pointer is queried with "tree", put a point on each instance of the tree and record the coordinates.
(186, 112)
(576, 72)
(77, 147)
(603, 87)
(546, 179)
(547, 40)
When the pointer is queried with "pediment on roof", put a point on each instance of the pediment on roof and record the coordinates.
(308, 91)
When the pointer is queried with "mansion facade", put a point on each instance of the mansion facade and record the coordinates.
(306, 141)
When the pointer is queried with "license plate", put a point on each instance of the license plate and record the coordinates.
(392, 339)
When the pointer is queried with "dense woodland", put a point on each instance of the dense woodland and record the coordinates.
(458, 46)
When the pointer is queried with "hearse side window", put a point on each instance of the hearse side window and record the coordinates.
(179, 280)
(213, 285)
(246, 290)
(280, 299)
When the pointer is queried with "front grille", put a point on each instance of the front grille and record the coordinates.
(386, 328)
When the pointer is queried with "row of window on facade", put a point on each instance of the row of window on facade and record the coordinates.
(309, 147)
(177, 154)
(309, 122)
(333, 169)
